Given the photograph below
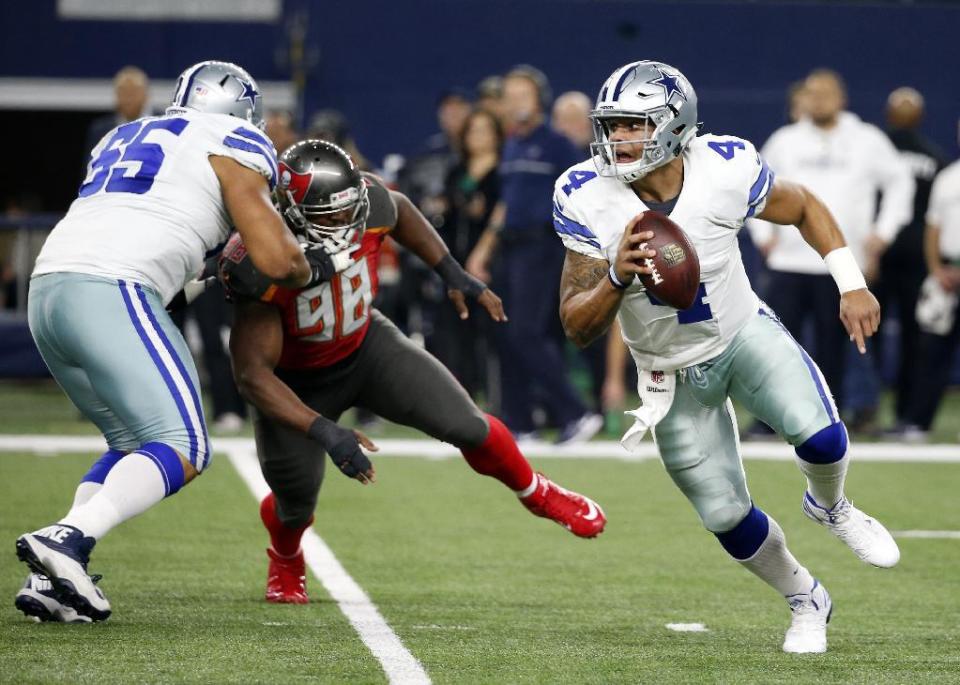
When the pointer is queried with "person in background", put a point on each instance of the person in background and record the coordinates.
(606, 358)
(903, 267)
(571, 117)
(937, 309)
(130, 86)
(846, 162)
(472, 191)
(490, 96)
(281, 129)
(332, 126)
(797, 102)
(531, 358)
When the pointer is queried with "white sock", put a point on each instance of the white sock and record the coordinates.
(85, 490)
(776, 566)
(133, 485)
(825, 481)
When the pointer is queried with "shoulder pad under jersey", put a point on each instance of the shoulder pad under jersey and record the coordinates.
(383, 211)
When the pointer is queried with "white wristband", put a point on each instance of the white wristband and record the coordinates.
(845, 270)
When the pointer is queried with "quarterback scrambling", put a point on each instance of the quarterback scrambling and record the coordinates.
(303, 356)
(161, 194)
(729, 344)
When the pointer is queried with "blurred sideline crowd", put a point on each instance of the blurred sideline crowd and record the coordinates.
(485, 181)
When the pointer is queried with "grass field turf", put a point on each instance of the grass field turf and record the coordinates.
(481, 592)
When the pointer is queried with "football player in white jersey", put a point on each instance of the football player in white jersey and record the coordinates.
(647, 156)
(161, 194)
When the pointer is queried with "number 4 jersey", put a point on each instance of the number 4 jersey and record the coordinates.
(325, 323)
(724, 182)
(150, 209)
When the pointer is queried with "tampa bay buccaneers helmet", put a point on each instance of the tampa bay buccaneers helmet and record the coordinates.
(322, 194)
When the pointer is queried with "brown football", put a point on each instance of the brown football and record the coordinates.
(676, 268)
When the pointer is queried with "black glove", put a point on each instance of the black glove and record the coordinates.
(457, 279)
(322, 268)
(342, 446)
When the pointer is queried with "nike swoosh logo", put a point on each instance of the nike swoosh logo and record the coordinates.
(592, 514)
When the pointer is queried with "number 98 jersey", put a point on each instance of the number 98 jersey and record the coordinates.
(724, 182)
(325, 323)
(150, 209)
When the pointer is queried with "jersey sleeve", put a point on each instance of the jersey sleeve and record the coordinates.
(247, 145)
(383, 210)
(744, 177)
(571, 227)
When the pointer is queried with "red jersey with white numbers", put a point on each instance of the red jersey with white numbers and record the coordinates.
(326, 323)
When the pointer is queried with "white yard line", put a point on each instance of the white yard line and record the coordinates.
(928, 534)
(602, 449)
(688, 628)
(398, 663)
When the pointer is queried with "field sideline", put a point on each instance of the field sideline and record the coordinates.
(477, 590)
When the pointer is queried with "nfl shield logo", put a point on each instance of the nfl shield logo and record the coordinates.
(656, 377)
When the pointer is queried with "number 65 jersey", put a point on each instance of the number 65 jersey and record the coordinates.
(150, 209)
(724, 182)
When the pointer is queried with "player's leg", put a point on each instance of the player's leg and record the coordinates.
(293, 466)
(700, 450)
(138, 364)
(392, 365)
(774, 378)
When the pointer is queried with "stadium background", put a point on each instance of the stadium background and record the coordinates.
(383, 65)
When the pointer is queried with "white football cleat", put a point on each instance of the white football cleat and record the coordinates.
(38, 600)
(866, 536)
(811, 614)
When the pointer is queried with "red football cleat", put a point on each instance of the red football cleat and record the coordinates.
(286, 579)
(578, 514)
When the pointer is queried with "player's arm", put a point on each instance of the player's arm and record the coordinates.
(592, 289)
(478, 263)
(418, 235)
(792, 203)
(272, 247)
(256, 342)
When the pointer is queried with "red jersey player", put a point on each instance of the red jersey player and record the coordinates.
(304, 356)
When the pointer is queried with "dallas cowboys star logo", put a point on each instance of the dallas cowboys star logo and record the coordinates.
(249, 93)
(670, 84)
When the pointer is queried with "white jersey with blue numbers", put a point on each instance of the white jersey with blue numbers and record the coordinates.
(724, 182)
(150, 208)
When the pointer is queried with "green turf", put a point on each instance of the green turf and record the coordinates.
(481, 592)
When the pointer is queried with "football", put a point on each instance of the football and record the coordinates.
(676, 268)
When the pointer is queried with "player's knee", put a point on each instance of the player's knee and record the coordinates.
(170, 464)
(101, 467)
(467, 431)
(826, 446)
(744, 539)
(295, 512)
(724, 517)
(799, 417)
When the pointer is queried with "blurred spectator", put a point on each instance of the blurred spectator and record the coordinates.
(130, 86)
(331, 125)
(529, 263)
(606, 358)
(280, 129)
(423, 178)
(571, 117)
(846, 162)
(937, 310)
(490, 96)
(903, 267)
(472, 191)
(797, 102)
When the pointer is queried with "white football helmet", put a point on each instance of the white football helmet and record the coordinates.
(651, 91)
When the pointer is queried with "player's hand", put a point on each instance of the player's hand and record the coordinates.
(487, 299)
(860, 314)
(948, 277)
(343, 446)
(629, 252)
